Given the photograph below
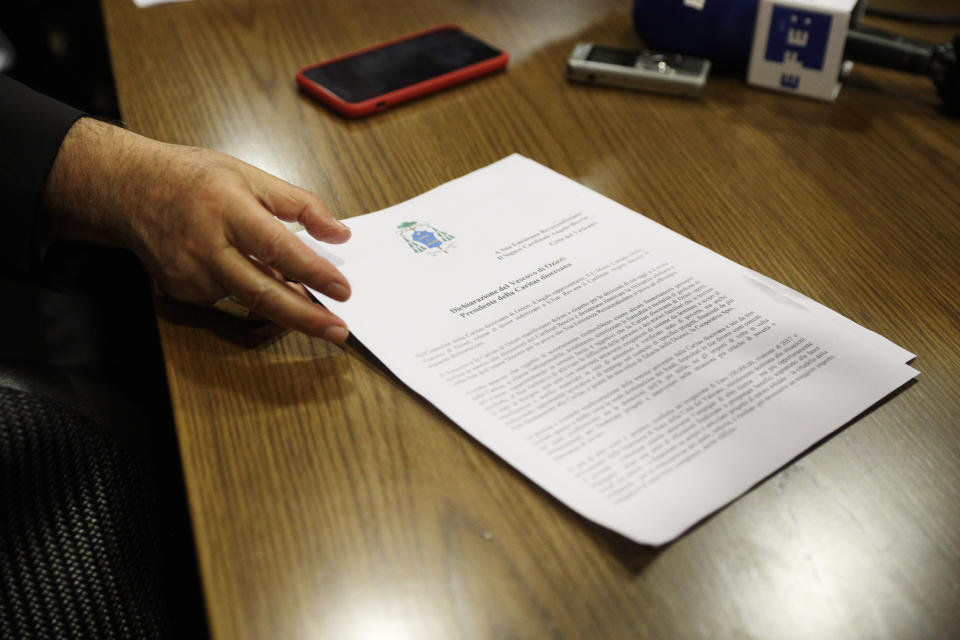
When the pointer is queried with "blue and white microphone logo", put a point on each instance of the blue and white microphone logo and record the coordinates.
(798, 40)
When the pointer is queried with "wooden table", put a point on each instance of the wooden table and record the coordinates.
(329, 501)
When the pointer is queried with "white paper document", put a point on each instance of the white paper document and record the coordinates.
(638, 377)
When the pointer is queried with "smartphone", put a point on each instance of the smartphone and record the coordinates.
(646, 70)
(375, 78)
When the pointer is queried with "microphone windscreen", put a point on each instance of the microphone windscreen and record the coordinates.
(719, 30)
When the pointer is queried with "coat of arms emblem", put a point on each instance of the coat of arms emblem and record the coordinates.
(424, 237)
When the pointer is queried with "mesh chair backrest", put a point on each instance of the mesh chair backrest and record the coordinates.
(78, 556)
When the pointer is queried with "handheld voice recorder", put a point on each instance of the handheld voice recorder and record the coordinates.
(646, 70)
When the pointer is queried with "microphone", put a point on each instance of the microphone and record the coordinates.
(727, 33)
(719, 30)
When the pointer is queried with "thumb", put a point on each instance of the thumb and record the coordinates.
(293, 204)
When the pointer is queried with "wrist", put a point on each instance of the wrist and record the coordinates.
(92, 189)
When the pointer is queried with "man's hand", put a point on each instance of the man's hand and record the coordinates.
(202, 222)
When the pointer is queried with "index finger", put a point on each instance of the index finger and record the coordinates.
(274, 300)
(260, 235)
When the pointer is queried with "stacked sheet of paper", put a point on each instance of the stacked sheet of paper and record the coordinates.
(640, 378)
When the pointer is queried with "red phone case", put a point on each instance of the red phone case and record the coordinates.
(381, 102)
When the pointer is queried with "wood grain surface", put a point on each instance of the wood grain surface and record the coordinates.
(330, 501)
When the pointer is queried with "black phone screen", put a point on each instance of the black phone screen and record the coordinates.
(385, 69)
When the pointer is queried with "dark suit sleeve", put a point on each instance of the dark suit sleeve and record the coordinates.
(32, 127)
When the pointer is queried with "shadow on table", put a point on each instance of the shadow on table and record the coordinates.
(282, 366)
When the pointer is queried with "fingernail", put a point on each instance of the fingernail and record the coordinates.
(336, 334)
(336, 291)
